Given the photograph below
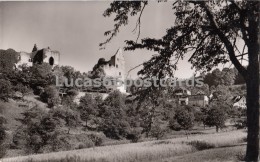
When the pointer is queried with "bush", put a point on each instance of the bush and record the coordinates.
(38, 90)
(19, 137)
(158, 132)
(174, 125)
(201, 145)
(134, 134)
(73, 93)
(3, 149)
(97, 138)
(86, 144)
(241, 124)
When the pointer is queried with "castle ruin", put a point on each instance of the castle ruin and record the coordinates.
(113, 68)
(39, 56)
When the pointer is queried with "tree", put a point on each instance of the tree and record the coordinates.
(8, 58)
(183, 120)
(152, 107)
(87, 108)
(216, 116)
(51, 96)
(41, 76)
(222, 94)
(214, 78)
(115, 122)
(41, 129)
(228, 76)
(70, 74)
(225, 77)
(68, 115)
(211, 31)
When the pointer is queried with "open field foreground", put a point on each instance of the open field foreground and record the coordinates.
(170, 150)
(232, 153)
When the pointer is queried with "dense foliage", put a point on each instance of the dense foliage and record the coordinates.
(8, 58)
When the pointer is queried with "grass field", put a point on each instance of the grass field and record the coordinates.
(231, 153)
(145, 151)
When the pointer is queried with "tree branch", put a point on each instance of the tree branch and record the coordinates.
(138, 23)
(224, 39)
(199, 46)
(133, 69)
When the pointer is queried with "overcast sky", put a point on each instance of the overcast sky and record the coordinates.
(76, 29)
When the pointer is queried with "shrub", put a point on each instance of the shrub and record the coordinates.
(201, 145)
(240, 124)
(24, 90)
(19, 137)
(174, 125)
(134, 134)
(158, 132)
(85, 144)
(97, 138)
(73, 93)
(34, 143)
(38, 90)
(89, 143)
(3, 149)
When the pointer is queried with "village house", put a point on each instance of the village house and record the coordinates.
(239, 102)
(199, 99)
(184, 97)
(181, 95)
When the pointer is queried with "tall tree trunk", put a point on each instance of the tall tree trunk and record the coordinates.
(252, 101)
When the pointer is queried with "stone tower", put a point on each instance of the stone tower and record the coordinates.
(113, 68)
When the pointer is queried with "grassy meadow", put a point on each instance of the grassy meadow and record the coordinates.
(170, 149)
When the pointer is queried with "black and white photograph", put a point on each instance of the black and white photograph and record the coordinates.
(129, 81)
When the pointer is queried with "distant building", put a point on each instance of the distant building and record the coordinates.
(93, 95)
(181, 94)
(239, 102)
(198, 99)
(39, 56)
(113, 68)
(184, 97)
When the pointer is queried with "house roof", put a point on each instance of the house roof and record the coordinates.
(237, 98)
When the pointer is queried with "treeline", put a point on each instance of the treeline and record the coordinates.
(226, 77)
